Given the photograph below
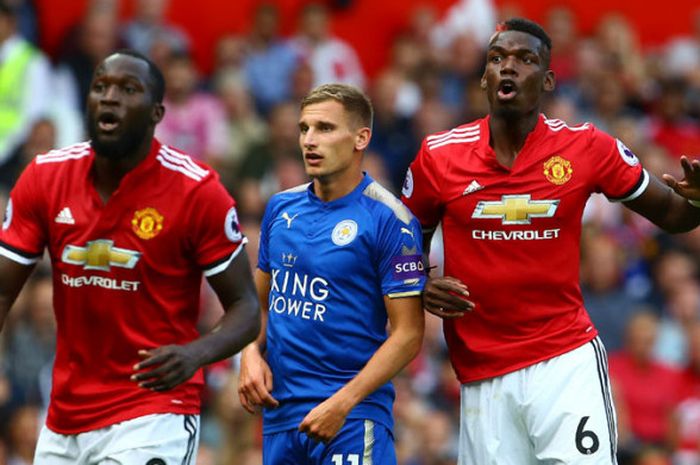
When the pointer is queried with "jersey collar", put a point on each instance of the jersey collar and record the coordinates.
(532, 138)
(342, 201)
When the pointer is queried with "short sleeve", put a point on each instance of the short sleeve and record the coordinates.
(216, 233)
(619, 174)
(421, 192)
(400, 255)
(264, 243)
(23, 235)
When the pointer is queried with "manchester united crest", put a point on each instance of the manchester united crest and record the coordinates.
(147, 223)
(557, 170)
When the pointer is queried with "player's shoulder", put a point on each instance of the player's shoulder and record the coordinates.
(62, 157)
(180, 166)
(287, 197)
(557, 127)
(455, 139)
(382, 203)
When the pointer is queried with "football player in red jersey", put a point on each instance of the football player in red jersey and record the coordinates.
(131, 225)
(509, 191)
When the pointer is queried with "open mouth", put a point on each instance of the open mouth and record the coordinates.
(107, 122)
(311, 156)
(507, 90)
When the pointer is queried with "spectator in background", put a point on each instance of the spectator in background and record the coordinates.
(229, 59)
(332, 59)
(644, 388)
(392, 137)
(150, 29)
(41, 139)
(245, 128)
(561, 24)
(271, 61)
(670, 123)
(602, 276)
(194, 120)
(682, 57)
(26, 85)
(87, 44)
(681, 312)
(259, 174)
(30, 343)
(684, 429)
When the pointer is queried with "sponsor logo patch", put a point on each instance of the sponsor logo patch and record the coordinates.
(515, 209)
(100, 255)
(407, 267)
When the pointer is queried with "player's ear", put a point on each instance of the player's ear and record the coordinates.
(549, 81)
(483, 82)
(362, 137)
(157, 113)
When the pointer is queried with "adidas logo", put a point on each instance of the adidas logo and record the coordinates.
(65, 216)
(472, 187)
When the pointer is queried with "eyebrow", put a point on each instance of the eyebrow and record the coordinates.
(520, 50)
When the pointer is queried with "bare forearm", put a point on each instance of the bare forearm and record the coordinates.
(666, 208)
(237, 328)
(396, 352)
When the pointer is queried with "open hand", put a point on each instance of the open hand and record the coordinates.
(446, 297)
(689, 186)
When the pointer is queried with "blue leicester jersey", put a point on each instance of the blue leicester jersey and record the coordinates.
(331, 264)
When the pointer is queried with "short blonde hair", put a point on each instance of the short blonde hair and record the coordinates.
(355, 102)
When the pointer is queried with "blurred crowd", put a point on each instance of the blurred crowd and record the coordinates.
(641, 287)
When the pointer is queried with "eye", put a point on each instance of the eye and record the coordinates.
(303, 129)
(528, 60)
(129, 89)
(98, 87)
(496, 58)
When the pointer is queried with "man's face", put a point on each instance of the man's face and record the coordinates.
(516, 73)
(329, 138)
(120, 107)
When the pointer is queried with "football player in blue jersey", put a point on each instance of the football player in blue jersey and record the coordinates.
(339, 256)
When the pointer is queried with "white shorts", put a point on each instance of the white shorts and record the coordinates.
(160, 439)
(558, 411)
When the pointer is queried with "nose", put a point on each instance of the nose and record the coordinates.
(508, 65)
(111, 94)
(308, 139)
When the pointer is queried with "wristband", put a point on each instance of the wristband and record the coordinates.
(695, 203)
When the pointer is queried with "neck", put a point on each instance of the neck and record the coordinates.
(508, 134)
(329, 188)
(108, 172)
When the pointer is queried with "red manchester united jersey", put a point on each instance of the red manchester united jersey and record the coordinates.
(127, 273)
(512, 235)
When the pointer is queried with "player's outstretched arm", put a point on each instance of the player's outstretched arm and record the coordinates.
(13, 275)
(407, 325)
(444, 296)
(666, 205)
(255, 381)
(165, 367)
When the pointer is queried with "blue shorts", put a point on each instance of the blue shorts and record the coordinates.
(358, 442)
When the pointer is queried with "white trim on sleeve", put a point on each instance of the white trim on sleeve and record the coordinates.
(15, 257)
(638, 191)
(223, 265)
